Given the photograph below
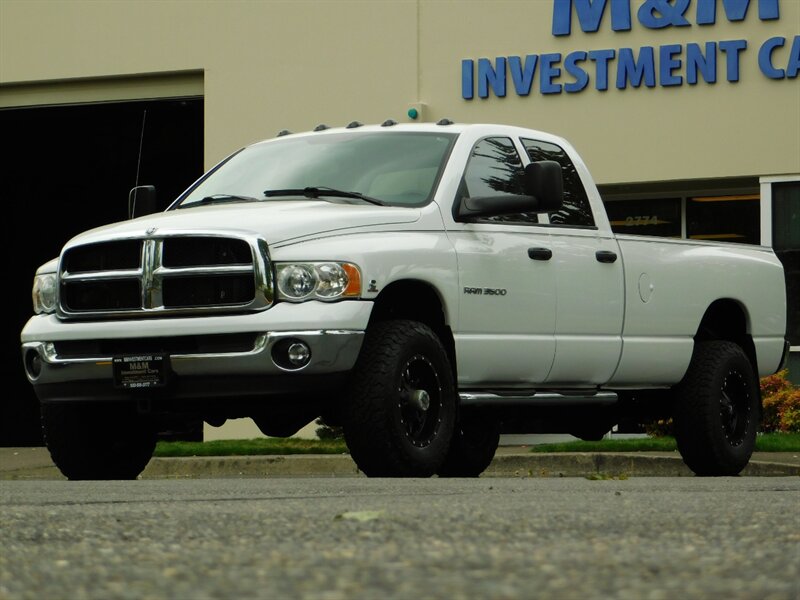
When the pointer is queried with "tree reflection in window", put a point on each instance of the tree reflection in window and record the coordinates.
(576, 210)
(495, 168)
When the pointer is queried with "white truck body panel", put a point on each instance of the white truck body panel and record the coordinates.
(569, 322)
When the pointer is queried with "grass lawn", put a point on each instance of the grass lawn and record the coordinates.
(766, 442)
(253, 447)
(769, 442)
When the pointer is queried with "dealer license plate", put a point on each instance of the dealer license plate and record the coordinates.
(140, 371)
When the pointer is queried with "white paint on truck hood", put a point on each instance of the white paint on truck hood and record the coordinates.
(275, 221)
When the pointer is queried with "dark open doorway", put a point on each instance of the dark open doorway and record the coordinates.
(66, 169)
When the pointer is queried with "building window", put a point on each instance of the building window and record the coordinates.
(786, 243)
(724, 218)
(661, 217)
(731, 218)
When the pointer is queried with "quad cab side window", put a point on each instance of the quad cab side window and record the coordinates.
(576, 211)
(495, 168)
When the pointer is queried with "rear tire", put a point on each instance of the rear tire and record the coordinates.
(400, 411)
(97, 441)
(717, 410)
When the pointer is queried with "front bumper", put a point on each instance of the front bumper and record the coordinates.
(228, 374)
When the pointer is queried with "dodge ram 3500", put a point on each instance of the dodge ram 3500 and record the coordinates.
(420, 285)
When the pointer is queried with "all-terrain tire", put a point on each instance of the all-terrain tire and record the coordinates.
(717, 410)
(475, 441)
(402, 368)
(97, 441)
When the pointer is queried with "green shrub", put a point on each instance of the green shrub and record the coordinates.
(781, 401)
(660, 428)
(328, 432)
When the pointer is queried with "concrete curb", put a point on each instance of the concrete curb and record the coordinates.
(505, 465)
(600, 465)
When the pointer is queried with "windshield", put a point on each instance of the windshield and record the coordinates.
(397, 168)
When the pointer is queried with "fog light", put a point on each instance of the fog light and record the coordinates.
(291, 354)
(299, 354)
(33, 364)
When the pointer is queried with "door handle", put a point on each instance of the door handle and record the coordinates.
(540, 253)
(606, 256)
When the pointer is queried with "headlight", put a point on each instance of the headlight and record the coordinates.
(44, 293)
(318, 281)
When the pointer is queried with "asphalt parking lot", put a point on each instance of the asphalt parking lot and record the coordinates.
(346, 538)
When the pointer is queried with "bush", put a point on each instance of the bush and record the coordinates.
(328, 432)
(660, 428)
(781, 401)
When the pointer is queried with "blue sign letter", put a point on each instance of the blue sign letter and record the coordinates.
(630, 69)
(732, 50)
(765, 58)
(467, 79)
(590, 13)
(489, 76)
(794, 59)
(735, 10)
(547, 72)
(572, 67)
(601, 58)
(667, 63)
(522, 77)
(695, 61)
(657, 14)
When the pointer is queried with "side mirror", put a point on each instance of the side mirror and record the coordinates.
(544, 181)
(142, 201)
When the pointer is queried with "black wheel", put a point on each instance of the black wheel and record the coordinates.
(474, 443)
(97, 441)
(400, 412)
(717, 410)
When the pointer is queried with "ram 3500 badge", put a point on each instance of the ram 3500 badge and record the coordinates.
(421, 285)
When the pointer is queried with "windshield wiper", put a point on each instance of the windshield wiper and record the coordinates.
(316, 192)
(219, 199)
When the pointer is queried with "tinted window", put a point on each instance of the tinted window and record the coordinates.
(576, 210)
(495, 168)
(398, 167)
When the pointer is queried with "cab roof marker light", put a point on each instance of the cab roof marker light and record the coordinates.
(321, 127)
(444, 121)
(388, 123)
(353, 125)
(283, 132)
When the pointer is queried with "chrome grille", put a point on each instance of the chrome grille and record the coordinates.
(169, 274)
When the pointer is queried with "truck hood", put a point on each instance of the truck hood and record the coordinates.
(275, 221)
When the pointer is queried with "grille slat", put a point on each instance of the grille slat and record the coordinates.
(168, 274)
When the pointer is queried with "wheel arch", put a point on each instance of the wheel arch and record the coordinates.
(728, 320)
(416, 300)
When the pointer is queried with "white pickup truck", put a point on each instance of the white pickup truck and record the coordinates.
(420, 285)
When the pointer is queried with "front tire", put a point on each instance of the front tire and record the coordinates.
(717, 410)
(97, 441)
(400, 412)
(474, 444)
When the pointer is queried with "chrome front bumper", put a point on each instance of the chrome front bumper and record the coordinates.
(332, 351)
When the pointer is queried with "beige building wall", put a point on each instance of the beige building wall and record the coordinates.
(269, 65)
